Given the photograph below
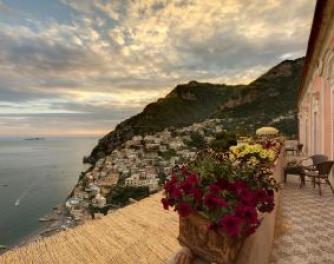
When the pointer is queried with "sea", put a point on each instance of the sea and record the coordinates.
(35, 176)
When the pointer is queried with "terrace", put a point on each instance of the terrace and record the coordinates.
(144, 233)
(305, 230)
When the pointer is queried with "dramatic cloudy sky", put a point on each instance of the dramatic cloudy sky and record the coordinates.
(78, 67)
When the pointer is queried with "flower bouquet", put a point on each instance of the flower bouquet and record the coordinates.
(221, 198)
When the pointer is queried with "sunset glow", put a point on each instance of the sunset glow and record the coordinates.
(86, 65)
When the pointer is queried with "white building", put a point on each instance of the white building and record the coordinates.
(136, 181)
(99, 201)
(72, 202)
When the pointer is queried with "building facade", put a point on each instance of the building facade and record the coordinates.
(316, 94)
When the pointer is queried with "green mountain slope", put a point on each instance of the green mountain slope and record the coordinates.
(274, 101)
(269, 100)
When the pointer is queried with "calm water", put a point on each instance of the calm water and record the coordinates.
(39, 174)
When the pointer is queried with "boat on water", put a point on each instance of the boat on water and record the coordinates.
(35, 138)
(17, 203)
(46, 219)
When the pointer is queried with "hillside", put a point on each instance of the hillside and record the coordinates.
(269, 100)
(273, 101)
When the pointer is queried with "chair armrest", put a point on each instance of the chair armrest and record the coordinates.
(309, 168)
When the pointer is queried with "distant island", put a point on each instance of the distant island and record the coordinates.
(35, 138)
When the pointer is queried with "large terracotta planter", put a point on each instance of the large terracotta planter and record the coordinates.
(205, 243)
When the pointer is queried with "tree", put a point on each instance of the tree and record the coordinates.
(196, 140)
(223, 141)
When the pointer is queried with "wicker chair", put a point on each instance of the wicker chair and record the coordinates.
(316, 159)
(321, 173)
(299, 149)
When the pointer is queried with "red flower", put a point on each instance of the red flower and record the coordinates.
(231, 224)
(223, 184)
(184, 209)
(270, 192)
(169, 185)
(214, 189)
(247, 198)
(173, 178)
(184, 170)
(165, 203)
(175, 193)
(186, 187)
(214, 202)
(252, 228)
(192, 179)
(261, 196)
(197, 195)
(267, 207)
(249, 214)
(238, 187)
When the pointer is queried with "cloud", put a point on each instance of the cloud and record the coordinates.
(116, 54)
(5, 9)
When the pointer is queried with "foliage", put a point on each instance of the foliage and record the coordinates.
(162, 178)
(225, 188)
(121, 194)
(196, 140)
(223, 141)
(166, 155)
(274, 102)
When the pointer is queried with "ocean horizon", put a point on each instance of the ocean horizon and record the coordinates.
(35, 176)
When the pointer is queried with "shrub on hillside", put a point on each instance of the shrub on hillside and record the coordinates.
(223, 141)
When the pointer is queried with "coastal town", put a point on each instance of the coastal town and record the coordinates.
(142, 163)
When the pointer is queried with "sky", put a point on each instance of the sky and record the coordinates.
(79, 67)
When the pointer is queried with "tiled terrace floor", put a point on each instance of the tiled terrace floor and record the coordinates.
(306, 226)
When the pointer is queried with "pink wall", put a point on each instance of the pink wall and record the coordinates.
(328, 126)
(319, 98)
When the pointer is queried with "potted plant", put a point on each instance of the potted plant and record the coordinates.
(221, 199)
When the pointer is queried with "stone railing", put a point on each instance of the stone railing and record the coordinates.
(257, 248)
